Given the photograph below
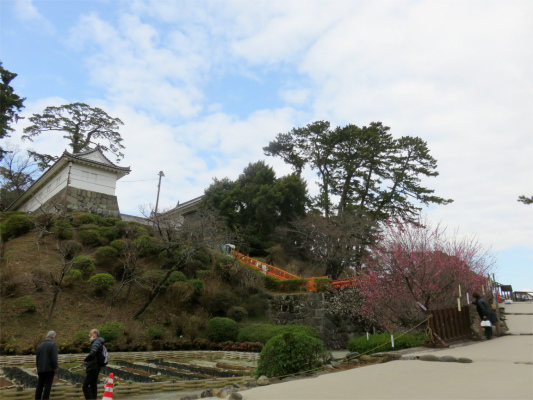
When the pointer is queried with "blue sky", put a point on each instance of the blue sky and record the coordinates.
(202, 86)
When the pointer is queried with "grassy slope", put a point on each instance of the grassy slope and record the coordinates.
(77, 308)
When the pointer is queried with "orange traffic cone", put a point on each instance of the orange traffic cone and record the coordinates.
(108, 388)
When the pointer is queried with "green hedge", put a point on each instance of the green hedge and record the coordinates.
(101, 282)
(263, 332)
(361, 345)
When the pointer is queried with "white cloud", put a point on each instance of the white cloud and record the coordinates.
(26, 11)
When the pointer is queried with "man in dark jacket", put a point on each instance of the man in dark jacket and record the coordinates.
(485, 313)
(46, 360)
(92, 370)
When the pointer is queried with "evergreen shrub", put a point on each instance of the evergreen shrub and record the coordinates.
(101, 282)
(63, 230)
(222, 329)
(322, 285)
(110, 221)
(80, 218)
(89, 237)
(118, 245)
(16, 225)
(111, 331)
(291, 353)
(256, 305)
(203, 256)
(237, 314)
(73, 276)
(292, 285)
(272, 283)
(109, 233)
(379, 342)
(70, 248)
(82, 335)
(264, 332)
(85, 264)
(197, 285)
(149, 245)
(176, 276)
(105, 254)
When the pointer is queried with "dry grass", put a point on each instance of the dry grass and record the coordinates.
(78, 308)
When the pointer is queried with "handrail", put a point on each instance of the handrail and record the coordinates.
(270, 270)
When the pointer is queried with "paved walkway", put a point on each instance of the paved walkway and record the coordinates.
(502, 369)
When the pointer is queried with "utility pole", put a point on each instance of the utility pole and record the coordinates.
(161, 174)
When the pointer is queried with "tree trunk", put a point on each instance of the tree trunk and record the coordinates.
(52, 306)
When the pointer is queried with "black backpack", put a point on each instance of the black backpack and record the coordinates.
(103, 357)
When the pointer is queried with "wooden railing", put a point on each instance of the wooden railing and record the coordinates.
(268, 269)
(449, 324)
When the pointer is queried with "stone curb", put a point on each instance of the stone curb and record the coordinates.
(431, 357)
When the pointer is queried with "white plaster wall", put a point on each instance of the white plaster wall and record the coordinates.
(82, 177)
(88, 178)
(50, 188)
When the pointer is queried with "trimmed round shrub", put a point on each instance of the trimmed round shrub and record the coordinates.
(291, 353)
(89, 237)
(79, 219)
(15, 226)
(110, 221)
(85, 264)
(111, 331)
(238, 314)
(148, 245)
(155, 333)
(63, 230)
(118, 245)
(380, 342)
(176, 276)
(197, 285)
(105, 254)
(101, 282)
(222, 329)
(108, 233)
(203, 256)
(73, 276)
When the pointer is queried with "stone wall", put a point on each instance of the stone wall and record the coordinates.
(81, 200)
(311, 309)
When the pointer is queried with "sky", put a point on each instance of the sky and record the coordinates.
(203, 86)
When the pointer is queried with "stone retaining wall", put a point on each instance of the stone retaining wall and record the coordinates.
(82, 200)
(311, 309)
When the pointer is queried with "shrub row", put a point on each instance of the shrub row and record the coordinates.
(77, 347)
(379, 342)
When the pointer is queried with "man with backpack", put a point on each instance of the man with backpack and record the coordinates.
(96, 359)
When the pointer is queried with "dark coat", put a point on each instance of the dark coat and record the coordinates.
(46, 356)
(485, 310)
(92, 359)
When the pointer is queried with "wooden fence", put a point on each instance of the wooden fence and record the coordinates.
(449, 324)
